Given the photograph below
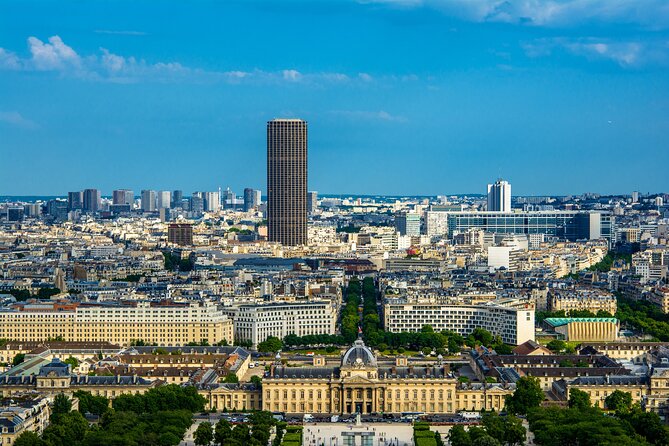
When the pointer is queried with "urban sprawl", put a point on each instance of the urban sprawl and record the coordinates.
(286, 318)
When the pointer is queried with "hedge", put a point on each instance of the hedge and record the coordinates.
(425, 441)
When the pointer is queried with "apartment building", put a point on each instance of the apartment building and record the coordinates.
(257, 322)
(512, 320)
(593, 300)
(154, 323)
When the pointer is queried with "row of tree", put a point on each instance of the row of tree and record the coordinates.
(644, 317)
(256, 432)
(159, 417)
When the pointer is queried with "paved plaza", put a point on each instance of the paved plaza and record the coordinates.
(367, 434)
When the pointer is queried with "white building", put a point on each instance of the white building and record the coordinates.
(212, 201)
(164, 199)
(499, 196)
(256, 323)
(436, 223)
(149, 200)
(513, 323)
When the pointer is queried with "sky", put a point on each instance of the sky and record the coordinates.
(413, 97)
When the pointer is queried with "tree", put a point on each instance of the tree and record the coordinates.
(256, 380)
(204, 434)
(61, 405)
(485, 440)
(89, 403)
(578, 399)
(231, 378)
(528, 394)
(223, 431)
(619, 401)
(18, 359)
(507, 429)
(74, 362)
(29, 438)
(458, 436)
(482, 336)
(556, 345)
(271, 344)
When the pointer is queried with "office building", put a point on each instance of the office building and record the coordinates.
(513, 321)
(408, 223)
(156, 323)
(287, 181)
(197, 204)
(251, 199)
(228, 199)
(149, 200)
(91, 202)
(15, 214)
(57, 209)
(123, 196)
(75, 200)
(499, 196)
(212, 201)
(569, 225)
(180, 234)
(255, 323)
(163, 199)
(312, 202)
(635, 196)
(177, 198)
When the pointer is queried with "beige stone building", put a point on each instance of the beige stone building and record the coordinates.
(154, 324)
(585, 329)
(361, 384)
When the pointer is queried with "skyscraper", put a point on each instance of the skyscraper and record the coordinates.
(177, 198)
(287, 181)
(123, 196)
(212, 201)
(408, 223)
(149, 200)
(163, 199)
(75, 200)
(91, 200)
(499, 196)
(312, 201)
(248, 199)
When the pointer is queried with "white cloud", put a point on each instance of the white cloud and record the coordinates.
(380, 115)
(54, 55)
(627, 54)
(16, 119)
(105, 66)
(291, 75)
(551, 13)
(9, 60)
(365, 77)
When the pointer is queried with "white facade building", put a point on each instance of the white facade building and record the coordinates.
(256, 323)
(499, 196)
(514, 324)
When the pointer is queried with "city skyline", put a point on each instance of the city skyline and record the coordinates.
(552, 99)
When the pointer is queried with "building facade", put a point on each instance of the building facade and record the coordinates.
(499, 196)
(155, 324)
(287, 181)
(514, 324)
(361, 385)
(255, 323)
(180, 234)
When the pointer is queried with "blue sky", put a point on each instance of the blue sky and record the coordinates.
(402, 97)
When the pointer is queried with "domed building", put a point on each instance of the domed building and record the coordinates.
(360, 383)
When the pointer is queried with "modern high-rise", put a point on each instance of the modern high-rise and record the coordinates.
(123, 196)
(75, 200)
(177, 198)
(251, 199)
(408, 223)
(312, 201)
(287, 181)
(212, 201)
(180, 234)
(499, 196)
(163, 199)
(149, 200)
(91, 200)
